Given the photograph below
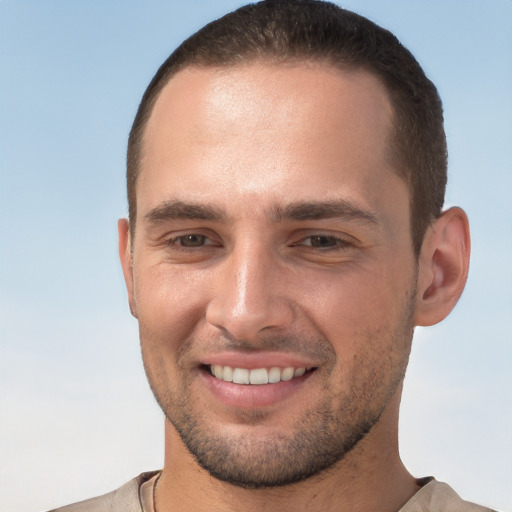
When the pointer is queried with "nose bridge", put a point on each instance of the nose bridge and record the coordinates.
(247, 299)
(248, 283)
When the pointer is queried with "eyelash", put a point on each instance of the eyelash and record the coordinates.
(337, 242)
(174, 242)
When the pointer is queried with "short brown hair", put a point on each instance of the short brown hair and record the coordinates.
(297, 30)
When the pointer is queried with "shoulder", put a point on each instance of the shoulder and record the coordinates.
(124, 499)
(440, 497)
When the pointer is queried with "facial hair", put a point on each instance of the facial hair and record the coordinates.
(322, 435)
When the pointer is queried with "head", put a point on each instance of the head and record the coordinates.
(271, 259)
(290, 31)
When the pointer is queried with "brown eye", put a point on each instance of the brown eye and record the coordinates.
(323, 241)
(192, 240)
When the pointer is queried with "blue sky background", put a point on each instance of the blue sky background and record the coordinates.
(76, 416)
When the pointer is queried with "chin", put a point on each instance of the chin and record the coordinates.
(253, 455)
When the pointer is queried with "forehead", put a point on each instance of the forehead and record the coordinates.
(211, 100)
(260, 130)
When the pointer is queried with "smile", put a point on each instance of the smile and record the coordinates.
(256, 376)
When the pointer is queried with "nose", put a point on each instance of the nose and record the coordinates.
(249, 295)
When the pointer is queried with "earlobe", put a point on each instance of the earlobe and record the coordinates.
(443, 267)
(125, 255)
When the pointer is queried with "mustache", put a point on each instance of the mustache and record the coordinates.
(315, 348)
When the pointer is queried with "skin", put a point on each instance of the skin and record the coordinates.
(231, 264)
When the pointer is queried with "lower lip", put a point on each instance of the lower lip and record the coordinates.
(247, 396)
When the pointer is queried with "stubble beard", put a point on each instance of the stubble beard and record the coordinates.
(256, 462)
(322, 436)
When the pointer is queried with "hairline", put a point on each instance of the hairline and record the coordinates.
(392, 143)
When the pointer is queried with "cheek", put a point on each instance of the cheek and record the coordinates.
(348, 306)
(169, 304)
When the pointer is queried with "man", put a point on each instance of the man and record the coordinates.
(286, 176)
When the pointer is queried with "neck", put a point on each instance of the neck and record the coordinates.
(370, 478)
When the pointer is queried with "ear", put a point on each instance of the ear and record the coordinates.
(443, 267)
(125, 255)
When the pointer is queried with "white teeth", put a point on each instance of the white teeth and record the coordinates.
(274, 375)
(228, 374)
(298, 372)
(257, 376)
(240, 376)
(218, 371)
(287, 374)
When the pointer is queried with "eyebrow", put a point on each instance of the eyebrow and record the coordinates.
(179, 210)
(317, 210)
(298, 211)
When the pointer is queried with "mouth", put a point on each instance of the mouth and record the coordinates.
(257, 381)
(257, 376)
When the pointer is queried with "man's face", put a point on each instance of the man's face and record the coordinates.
(272, 242)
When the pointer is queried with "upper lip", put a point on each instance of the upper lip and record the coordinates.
(254, 360)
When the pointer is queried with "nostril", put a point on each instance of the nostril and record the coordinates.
(250, 320)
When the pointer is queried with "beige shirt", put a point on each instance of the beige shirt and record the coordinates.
(137, 496)
(432, 497)
(440, 497)
(147, 494)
